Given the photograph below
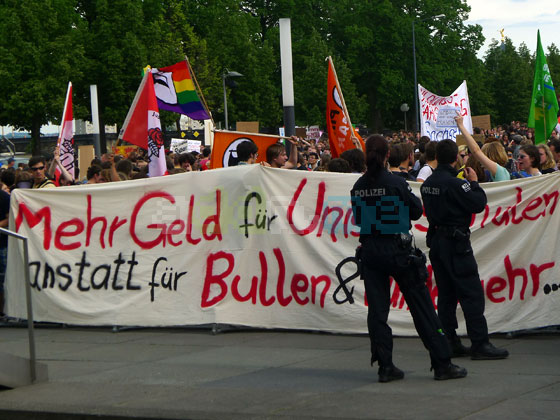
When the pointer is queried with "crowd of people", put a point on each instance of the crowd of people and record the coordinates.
(503, 153)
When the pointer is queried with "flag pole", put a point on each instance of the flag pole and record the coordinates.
(250, 134)
(544, 120)
(200, 90)
(64, 113)
(339, 89)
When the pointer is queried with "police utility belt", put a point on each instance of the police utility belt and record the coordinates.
(455, 232)
(403, 240)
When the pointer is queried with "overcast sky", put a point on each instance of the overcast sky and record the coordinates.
(520, 20)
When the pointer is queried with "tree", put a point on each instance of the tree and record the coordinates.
(376, 43)
(553, 61)
(510, 80)
(123, 37)
(42, 49)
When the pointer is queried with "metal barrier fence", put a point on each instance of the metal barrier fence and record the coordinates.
(32, 356)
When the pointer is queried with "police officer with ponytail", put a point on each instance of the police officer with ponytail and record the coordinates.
(384, 205)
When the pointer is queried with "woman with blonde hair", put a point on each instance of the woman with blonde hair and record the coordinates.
(548, 165)
(495, 167)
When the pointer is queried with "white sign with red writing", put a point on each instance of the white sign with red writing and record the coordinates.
(257, 246)
(437, 113)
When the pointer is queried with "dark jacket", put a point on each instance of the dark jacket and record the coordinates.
(450, 201)
(384, 206)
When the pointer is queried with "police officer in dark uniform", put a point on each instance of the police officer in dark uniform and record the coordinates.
(383, 205)
(449, 203)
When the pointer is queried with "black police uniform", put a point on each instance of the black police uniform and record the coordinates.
(449, 203)
(383, 209)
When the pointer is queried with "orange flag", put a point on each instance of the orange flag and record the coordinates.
(224, 149)
(339, 127)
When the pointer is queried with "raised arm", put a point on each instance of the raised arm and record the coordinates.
(475, 149)
(356, 142)
(292, 162)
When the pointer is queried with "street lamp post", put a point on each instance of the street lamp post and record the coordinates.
(224, 77)
(405, 109)
(414, 66)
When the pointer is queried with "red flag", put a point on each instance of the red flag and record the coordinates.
(338, 126)
(224, 149)
(66, 136)
(143, 128)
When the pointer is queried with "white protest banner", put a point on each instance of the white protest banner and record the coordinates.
(256, 246)
(193, 146)
(313, 132)
(437, 113)
(179, 146)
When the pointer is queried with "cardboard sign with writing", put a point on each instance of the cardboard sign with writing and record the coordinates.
(482, 121)
(446, 117)
(301, 132)
(247, 126)
(460, 139)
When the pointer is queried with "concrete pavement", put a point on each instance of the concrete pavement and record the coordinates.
(256, 374)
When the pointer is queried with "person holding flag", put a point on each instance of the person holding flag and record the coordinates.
(543, 115)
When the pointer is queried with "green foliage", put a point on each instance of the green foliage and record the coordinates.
(41, 49)
(46, 43)
(510, 81)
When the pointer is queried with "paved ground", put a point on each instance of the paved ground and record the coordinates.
(193, 374)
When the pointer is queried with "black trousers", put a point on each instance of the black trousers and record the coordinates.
(381, 258)
(457, 279)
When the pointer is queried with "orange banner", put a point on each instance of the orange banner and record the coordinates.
(224, 150)
(338, 126)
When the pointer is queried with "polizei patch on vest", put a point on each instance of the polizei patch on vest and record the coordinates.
(466, 187)
(372, 192)
(430, 190)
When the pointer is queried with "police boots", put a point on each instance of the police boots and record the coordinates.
(457, 348)
(487, 351)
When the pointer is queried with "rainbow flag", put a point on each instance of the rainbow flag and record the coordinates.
(175, 91)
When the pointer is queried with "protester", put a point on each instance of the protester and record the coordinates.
(312, 161)
(386, 250)
(65, 177)
(302, 162)
(277, 157)
(554, 146)
(23, 179)
(548, 165)
(37, 166)
(4, 210)
(186, 161)
(399, 160)
(529, 161)
(247, 153)
(431, 162)
(124, 166)
(205, 160)
(94, 175)
(419, 154)
(449, 204)
(339, 165)
(511, 164)
(356, 159)
(8, 177)
(496, 164)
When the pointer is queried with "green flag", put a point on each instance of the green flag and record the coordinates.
(543, 115)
